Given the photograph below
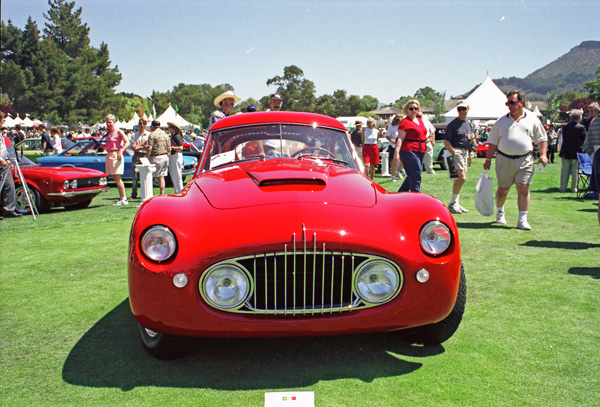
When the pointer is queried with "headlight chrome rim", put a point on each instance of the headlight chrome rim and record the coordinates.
(435, 238)
(158, 243)
(238, 275)
(364, 282)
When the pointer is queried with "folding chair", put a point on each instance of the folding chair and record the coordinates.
(585, 174)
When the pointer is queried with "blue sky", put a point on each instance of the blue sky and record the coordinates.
(385, 49)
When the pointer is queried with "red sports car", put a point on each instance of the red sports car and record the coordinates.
(55, 186)
(279, 233)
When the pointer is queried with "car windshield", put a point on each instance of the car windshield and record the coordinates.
(88, 148)
(21, 159)
(269, 141)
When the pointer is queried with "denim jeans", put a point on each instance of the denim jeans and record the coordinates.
(413, 165)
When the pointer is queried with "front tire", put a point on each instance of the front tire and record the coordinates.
(36, 199)
(442, 159)
(158, 344)
(439, 332)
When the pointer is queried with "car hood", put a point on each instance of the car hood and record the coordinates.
(286, 181)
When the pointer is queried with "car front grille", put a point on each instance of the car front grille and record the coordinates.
(88, 182)
(301, 280)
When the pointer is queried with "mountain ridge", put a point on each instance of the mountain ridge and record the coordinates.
(567, 73)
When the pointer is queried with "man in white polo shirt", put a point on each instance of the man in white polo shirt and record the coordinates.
(513, 136)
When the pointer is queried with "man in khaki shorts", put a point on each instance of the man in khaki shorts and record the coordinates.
(159, 146)
(513, 136)
(456, 140)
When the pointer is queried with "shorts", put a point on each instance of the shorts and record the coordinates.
(460, 159)
(114, 166)
(370, 154)
(162, 165)
(514, 170)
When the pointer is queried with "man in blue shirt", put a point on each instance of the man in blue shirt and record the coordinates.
(458, 135)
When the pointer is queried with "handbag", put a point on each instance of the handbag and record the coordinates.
(484, 195)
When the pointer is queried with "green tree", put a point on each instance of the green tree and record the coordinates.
(368, 103)
(594, 86)
(297, 92)
(65, 28)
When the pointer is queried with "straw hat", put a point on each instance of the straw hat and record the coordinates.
(175, 125)
(226, 95)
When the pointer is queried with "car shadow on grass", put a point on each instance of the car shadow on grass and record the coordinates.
(594, 272)
(551, 244)
(110, 354)
(479, 225)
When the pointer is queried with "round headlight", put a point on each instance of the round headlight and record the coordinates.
(158, 243)
(225, 286)
(377, 281)
(66, 184)
(435, 238)
(103, 181)
(74, 184)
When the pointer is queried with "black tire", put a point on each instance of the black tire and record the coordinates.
(36, 199)
(79, 205)
(443, 162)
(435, 334)
(160, 345)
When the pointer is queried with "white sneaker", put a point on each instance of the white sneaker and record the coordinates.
(454, 208)
(121, 202)
(500, 218)
(523, 224)
(394, 178)
(462, 209)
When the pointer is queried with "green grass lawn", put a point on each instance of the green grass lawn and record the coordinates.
(530, 334)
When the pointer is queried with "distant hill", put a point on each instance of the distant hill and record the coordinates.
(569, 73)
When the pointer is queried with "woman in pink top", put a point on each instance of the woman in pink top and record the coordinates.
(116, 143)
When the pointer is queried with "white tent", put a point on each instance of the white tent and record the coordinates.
(18, 120)
(170, 115)
(133, 122)
(9, 121)
(537, 112)
(485, 103)
(27, 122)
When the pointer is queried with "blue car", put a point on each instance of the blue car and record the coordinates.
(91, 154)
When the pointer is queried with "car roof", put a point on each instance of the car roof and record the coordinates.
(277, 117)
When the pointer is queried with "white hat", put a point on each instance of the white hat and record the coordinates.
(226, 95)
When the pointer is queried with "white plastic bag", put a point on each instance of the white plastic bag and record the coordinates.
(484, 195)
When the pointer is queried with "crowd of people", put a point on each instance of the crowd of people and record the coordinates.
(512, 142)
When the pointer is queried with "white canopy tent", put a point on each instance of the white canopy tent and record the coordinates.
(9, 122)
(133, 122)
(487, 102)
(170, 115)
(27, 122)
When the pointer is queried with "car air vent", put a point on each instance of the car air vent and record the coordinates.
(291, 181)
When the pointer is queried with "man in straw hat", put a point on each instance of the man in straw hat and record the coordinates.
(225, 102)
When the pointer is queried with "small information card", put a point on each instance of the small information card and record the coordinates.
(290, 399)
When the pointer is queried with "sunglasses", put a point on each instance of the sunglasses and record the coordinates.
(413, 108)
(512, 102)
(461, 108)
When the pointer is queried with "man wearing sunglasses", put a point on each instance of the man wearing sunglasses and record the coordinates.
(513, 137)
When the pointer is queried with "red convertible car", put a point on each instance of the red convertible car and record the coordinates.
(279, 233)
(55, 186)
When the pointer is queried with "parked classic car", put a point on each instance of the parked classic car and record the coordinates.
(32, 147)
(90, 154)
(56, 186)
(279, 234)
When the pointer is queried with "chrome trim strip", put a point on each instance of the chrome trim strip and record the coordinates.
(69, 194)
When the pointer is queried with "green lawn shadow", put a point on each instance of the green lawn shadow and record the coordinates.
(561, 245)
(594, 272)
(110, 354)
